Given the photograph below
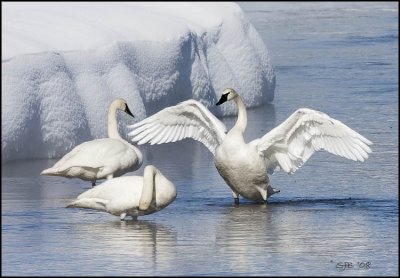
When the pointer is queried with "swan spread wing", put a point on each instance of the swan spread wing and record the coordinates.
(289, 145)
(187, 119)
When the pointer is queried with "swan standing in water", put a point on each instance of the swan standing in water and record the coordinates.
(244, 166)
(100, 158)
(129, 196)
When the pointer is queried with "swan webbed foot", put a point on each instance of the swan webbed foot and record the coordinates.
(271, 191)
(236, 201)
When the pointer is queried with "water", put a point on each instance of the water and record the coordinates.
(333, 216)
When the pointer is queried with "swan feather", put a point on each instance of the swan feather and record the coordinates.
(188, 119)
(306, 131)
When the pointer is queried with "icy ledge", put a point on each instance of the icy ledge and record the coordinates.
(63, 64)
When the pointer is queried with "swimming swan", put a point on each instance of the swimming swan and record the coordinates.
(100, 158)
(130, 195)
(244, 166)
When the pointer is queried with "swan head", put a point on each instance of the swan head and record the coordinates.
(122, 105)
(227, 95)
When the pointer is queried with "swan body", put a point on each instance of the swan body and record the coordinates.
(100, 158)
(130, 195)
(244, 176)
(245, 166)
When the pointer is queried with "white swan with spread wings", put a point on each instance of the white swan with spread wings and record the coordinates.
(244, 166)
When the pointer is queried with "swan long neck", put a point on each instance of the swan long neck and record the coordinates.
(241, 121)
(148, 187)
(112, 123)
(154, 180)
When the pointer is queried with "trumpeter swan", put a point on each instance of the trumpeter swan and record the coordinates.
(130, 195)
(244, 166)
(100, 158)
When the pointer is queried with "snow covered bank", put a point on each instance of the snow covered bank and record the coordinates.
(63, 64)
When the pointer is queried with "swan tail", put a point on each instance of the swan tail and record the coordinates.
(89, 203)
(85, 173)
(51, 172)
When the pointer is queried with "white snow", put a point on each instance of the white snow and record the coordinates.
(64, 62)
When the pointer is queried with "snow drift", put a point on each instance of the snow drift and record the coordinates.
(64, 63)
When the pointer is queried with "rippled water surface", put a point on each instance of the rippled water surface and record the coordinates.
(332, 217)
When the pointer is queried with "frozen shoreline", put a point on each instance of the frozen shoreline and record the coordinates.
(64, 64)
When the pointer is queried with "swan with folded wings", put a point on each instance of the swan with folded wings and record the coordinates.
(245, 166)
(130, 195)
(103, 158)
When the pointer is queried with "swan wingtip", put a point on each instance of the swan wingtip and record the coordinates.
(46, 171)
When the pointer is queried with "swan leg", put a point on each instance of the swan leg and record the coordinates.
(235, 197)
(93, 183)
(123, 215)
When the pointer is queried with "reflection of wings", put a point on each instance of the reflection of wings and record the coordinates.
(306, 131)
(188, 119)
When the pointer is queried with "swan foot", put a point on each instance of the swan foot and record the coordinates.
(93, 184)
(272, 191)
(236, 201)
(123, 215)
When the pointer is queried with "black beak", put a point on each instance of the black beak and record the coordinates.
(222, 99)
(128, 111)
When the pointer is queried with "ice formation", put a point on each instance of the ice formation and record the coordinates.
(63, 64)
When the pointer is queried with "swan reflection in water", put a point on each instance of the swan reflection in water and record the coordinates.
(287, 232)
(148, 244)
